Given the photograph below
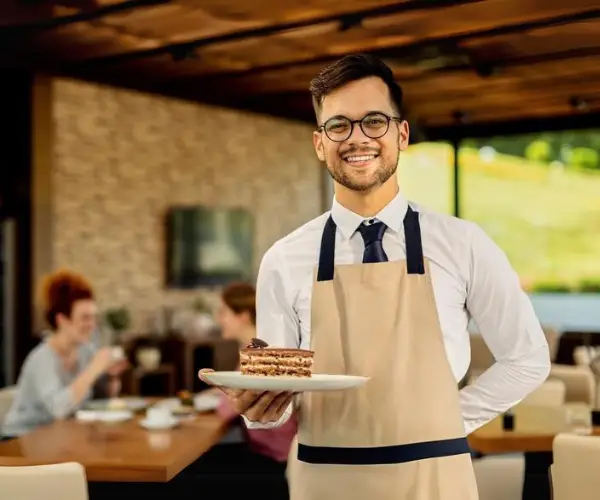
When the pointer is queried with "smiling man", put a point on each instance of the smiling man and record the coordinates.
(394, 289)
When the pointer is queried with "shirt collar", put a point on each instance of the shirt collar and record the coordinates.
(392, 215)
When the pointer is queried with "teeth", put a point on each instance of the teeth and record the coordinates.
(360, 158)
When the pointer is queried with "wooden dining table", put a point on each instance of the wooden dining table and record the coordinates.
(535, 428)
(117, 452)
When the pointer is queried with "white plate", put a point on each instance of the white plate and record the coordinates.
(318, 382)
(117, 404)
(111, 416)
(158, 425)
(206, 402)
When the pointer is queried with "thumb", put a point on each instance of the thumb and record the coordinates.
(202, 377)
(227, 391)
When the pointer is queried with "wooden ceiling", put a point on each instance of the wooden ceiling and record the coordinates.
(459, 61)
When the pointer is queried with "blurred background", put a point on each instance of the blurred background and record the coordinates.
(159, 148)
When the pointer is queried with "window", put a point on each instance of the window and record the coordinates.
(538, 197)
(426, 175)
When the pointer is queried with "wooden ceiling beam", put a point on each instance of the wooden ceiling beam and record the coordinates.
(538, 68)
(50, 23)
(539, 116)
(462, 83)
(489, 115)
(447, 99)
(504, 104)
(525, 124)
(269, 80)
(535, 17)
(270, 29)
(440, 106)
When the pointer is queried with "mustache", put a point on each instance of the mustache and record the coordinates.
(360, 151)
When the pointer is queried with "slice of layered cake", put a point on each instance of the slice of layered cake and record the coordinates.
(257, 358)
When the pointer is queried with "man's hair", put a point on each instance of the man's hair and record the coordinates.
(349, 69)
(60, 291)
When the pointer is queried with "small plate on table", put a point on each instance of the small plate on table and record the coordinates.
(117, 404)
(107, 417)
(206, 401)
(159, 425)
(317, 382)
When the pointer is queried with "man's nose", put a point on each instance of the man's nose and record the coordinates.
(358, 136)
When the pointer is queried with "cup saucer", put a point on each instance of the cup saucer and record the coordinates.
(155, 425)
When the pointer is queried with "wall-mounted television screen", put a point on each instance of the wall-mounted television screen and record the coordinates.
(208, 246)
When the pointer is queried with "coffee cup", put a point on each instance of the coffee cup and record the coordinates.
(117, 353)
(158, 415)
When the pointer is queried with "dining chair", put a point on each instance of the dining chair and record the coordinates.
(7, 394)
(551, 393)
(66, 481)
(500, 477)
(579, 381)
(575, 468)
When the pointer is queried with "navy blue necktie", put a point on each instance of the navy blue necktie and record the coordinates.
(373, 236)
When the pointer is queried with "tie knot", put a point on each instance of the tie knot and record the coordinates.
(372, 232)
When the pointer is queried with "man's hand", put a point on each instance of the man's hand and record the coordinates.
(256, 406)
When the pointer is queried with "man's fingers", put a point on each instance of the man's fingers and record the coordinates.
(265, 408)
(277, 407)
(255, 405)
(256, 412)
(231, 393)
(246, 400)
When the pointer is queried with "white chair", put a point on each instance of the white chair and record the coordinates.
(500, 477)
(48, 482)
(583, 355)
(575, 468)
(579, 381)
(7, 394)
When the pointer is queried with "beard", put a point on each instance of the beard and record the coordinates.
(343, 174)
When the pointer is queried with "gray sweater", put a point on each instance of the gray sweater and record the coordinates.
(43, 393)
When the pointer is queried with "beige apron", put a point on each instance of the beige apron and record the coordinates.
(401, 435)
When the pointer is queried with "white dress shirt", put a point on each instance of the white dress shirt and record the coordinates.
(471, 277)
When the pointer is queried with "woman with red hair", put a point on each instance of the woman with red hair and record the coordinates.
(60, 374)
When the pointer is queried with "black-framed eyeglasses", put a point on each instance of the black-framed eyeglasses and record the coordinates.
(373, 125)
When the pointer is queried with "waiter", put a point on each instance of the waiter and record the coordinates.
(391, 298)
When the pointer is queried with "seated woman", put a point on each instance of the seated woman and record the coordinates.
(264, 452)
(61, 373)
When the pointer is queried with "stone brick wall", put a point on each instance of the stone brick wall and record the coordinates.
(120, 158)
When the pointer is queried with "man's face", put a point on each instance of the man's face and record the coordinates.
(360, 163)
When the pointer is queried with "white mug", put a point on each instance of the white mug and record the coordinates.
(117, 353)
(158, 414)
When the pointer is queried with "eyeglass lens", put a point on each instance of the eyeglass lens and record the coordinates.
(373, 125)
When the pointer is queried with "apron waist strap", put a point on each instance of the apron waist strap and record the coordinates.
(382, 455)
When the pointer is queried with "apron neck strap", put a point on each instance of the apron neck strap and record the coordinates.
(412, 237)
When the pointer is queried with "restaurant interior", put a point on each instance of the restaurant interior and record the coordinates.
(160, 147)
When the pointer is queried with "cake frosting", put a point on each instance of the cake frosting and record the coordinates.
(257, 358)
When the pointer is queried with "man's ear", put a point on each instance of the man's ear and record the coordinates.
(318, 143)
(403, 135)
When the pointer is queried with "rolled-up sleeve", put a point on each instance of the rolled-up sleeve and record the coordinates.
(511, 330)
(276, 320)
